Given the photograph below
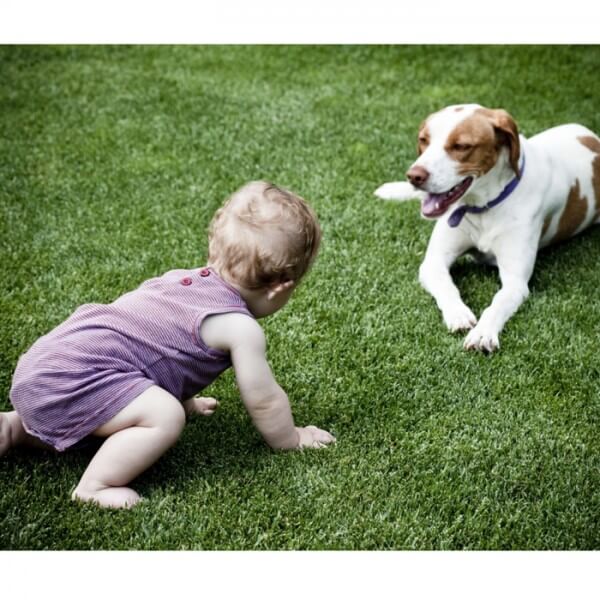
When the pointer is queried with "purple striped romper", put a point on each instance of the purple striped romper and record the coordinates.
(86, 370)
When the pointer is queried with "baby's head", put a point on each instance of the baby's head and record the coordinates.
(263, 240)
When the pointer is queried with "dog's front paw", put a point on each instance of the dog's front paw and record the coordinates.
(399, 191)
(482, 338)
(459, 318)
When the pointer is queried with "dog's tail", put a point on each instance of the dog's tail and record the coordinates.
(399, 191)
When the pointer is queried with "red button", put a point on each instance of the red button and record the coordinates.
(204, 272)
(186, 281)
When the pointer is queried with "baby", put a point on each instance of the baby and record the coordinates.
(128, 371)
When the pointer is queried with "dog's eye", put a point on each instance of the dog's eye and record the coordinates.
(422, 140)
(462, 147)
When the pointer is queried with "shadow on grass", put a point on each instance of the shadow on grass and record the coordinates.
(557, 267)
(208, 448)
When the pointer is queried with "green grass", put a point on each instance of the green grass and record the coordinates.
(112, 162)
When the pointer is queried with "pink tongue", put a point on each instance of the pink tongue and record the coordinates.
(428, 207)
(443, 201)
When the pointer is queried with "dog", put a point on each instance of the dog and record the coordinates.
(499, 196)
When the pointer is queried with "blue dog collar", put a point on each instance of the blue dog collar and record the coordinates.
(456, 217)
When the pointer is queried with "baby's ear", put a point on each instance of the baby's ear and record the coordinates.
(277, 288)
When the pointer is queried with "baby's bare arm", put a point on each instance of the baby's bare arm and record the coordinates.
(265, 401)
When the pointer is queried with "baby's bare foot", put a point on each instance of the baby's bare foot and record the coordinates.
(201, 406)
(5, 437)
(11, 431)
(111, 497)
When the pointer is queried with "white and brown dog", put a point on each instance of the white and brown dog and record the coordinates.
(501, 196)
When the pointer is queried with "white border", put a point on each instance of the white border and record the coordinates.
(299, 21)
(301, 575)
(289, 575)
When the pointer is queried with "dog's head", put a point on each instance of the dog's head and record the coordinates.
(457, 147)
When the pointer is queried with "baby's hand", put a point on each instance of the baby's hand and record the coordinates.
(200, 406)
(313, 437)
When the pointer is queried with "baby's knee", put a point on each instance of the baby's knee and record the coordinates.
(166, 416)
(160, 410)
(171, 420)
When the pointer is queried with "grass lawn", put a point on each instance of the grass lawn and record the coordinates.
(112, 162)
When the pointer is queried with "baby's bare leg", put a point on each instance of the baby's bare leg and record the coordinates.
(201, 406)
(136, 438)
(12, 433)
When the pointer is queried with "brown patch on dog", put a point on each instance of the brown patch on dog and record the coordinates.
(474, 145)
(507, 134)
(596, 182)
(459, 108)
(545, 226)
(423, 138)
(593, 144)
(573, 214)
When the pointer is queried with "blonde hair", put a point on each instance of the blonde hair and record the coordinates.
(262, 235)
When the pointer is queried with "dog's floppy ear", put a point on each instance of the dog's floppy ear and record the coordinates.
(508, 134)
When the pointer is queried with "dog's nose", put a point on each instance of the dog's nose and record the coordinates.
(417, 175)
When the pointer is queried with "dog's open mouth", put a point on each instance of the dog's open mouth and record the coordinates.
(435, 205)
